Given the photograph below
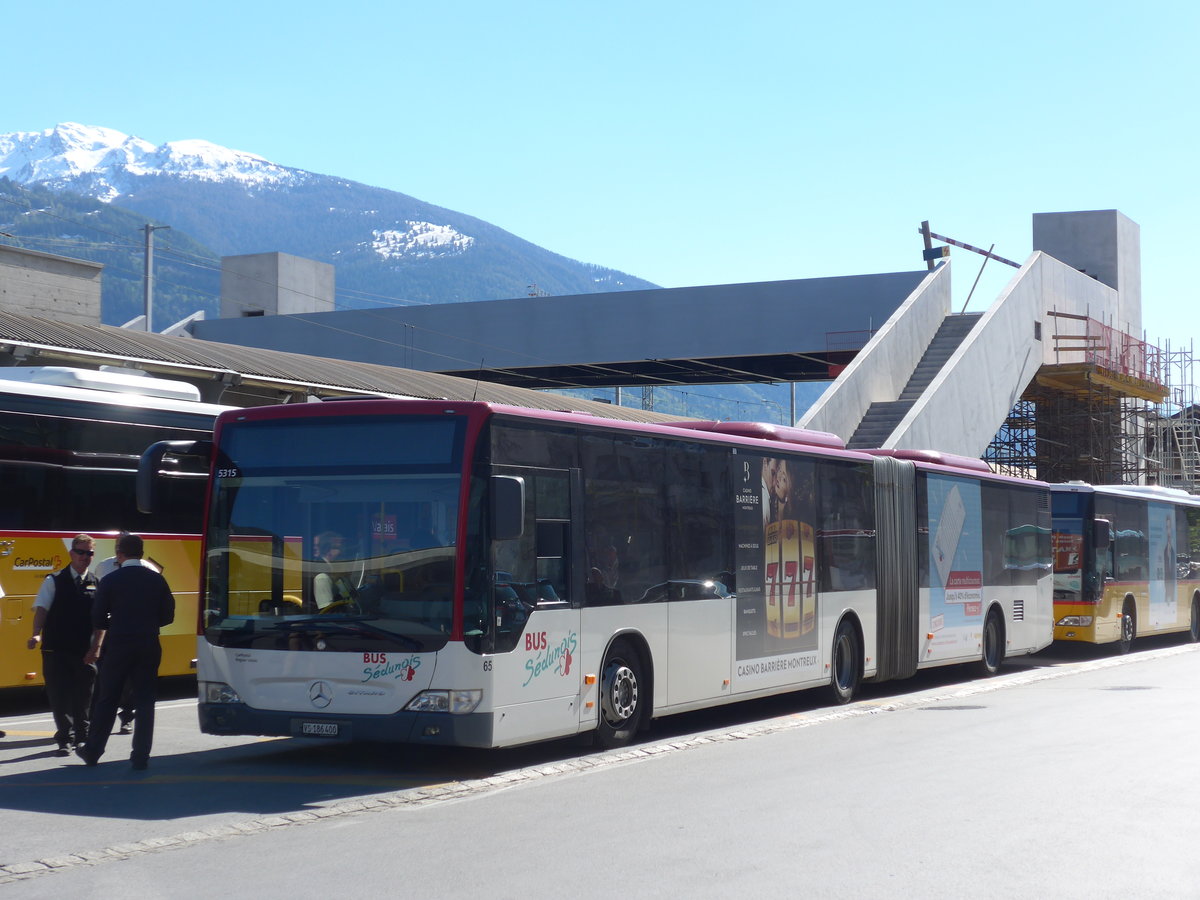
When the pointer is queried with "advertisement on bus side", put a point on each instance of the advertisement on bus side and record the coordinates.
(955, 565)
(775, 522)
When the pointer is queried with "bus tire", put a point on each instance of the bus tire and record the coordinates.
(845, 663)
(993, 643)
(622, 697)
(1128, 626)
(1194, 630)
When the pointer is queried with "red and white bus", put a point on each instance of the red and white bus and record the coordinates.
(473, 574)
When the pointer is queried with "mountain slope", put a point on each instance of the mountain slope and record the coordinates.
(382, 242)
(187, 276)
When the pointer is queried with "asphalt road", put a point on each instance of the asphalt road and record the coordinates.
(938, 786)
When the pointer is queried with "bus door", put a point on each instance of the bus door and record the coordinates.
(700, 653)
(536, 597)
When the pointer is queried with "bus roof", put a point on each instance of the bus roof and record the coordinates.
(113, 388)
(746, 434)
(1136, 491)
(768, 432)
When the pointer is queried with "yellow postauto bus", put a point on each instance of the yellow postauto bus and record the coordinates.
(70, 440)
(1126, 563)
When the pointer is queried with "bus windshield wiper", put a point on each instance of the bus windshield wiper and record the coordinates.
(356, 626)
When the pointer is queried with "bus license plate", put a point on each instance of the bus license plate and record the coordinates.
(319, 729)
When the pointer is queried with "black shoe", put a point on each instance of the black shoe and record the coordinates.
(139, 765)
(3, 734)
(126, 728)
(89, 758)
(62, 750)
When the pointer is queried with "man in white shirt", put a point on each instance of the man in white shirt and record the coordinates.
(328, 587)
(62, 615)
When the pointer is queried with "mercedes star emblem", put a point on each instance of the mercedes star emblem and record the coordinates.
(320, 694)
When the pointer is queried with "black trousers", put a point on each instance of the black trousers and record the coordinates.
(125, 709)
(134, 659)
(69, 682)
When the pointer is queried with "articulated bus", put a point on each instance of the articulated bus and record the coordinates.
(70, 440)
(1126, 563)
(480, 575)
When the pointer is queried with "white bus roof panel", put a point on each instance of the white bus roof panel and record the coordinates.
(119, 382)
(90, 386)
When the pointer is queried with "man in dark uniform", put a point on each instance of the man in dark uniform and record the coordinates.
(62, 626)
(132, 604)
(125, 711)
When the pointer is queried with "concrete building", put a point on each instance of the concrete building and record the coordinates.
(274, 284)
(53, 287)
(1105, 245)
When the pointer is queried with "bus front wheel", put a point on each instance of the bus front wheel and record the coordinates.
(1128, 627)
(622, 698)
(845, 662)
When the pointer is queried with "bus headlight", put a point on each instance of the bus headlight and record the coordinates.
(1077, 621)
(218, 692)
(457, 703)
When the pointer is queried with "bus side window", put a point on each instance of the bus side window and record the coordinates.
(553, 570)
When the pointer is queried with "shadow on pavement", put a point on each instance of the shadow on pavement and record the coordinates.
(265, 777)
(260, 778)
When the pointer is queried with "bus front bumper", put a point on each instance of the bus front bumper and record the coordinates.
(470, 730)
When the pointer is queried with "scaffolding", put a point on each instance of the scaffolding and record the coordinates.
(1110, 409)
(1173, 427)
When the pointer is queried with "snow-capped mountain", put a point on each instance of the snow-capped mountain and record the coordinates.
(104, 162)
(383, 243)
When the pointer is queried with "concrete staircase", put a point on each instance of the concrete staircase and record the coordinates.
(882, 417)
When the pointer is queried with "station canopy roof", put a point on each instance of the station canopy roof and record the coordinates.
(245, 376)
(772, 331)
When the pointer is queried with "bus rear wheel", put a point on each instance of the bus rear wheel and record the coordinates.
(993, 643)
(1128, 627)
(622, 701)
(846, 664)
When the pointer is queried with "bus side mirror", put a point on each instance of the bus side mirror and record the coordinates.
(1101, 534)
(508, 507)
(151, 461)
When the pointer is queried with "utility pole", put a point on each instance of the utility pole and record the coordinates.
(648, 396)
(148, 279)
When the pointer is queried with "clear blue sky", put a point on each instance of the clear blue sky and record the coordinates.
(683, 142)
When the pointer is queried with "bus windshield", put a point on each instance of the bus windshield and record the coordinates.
(349, 548)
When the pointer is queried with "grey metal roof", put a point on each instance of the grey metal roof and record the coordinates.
(796, 330)
(250, 376)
